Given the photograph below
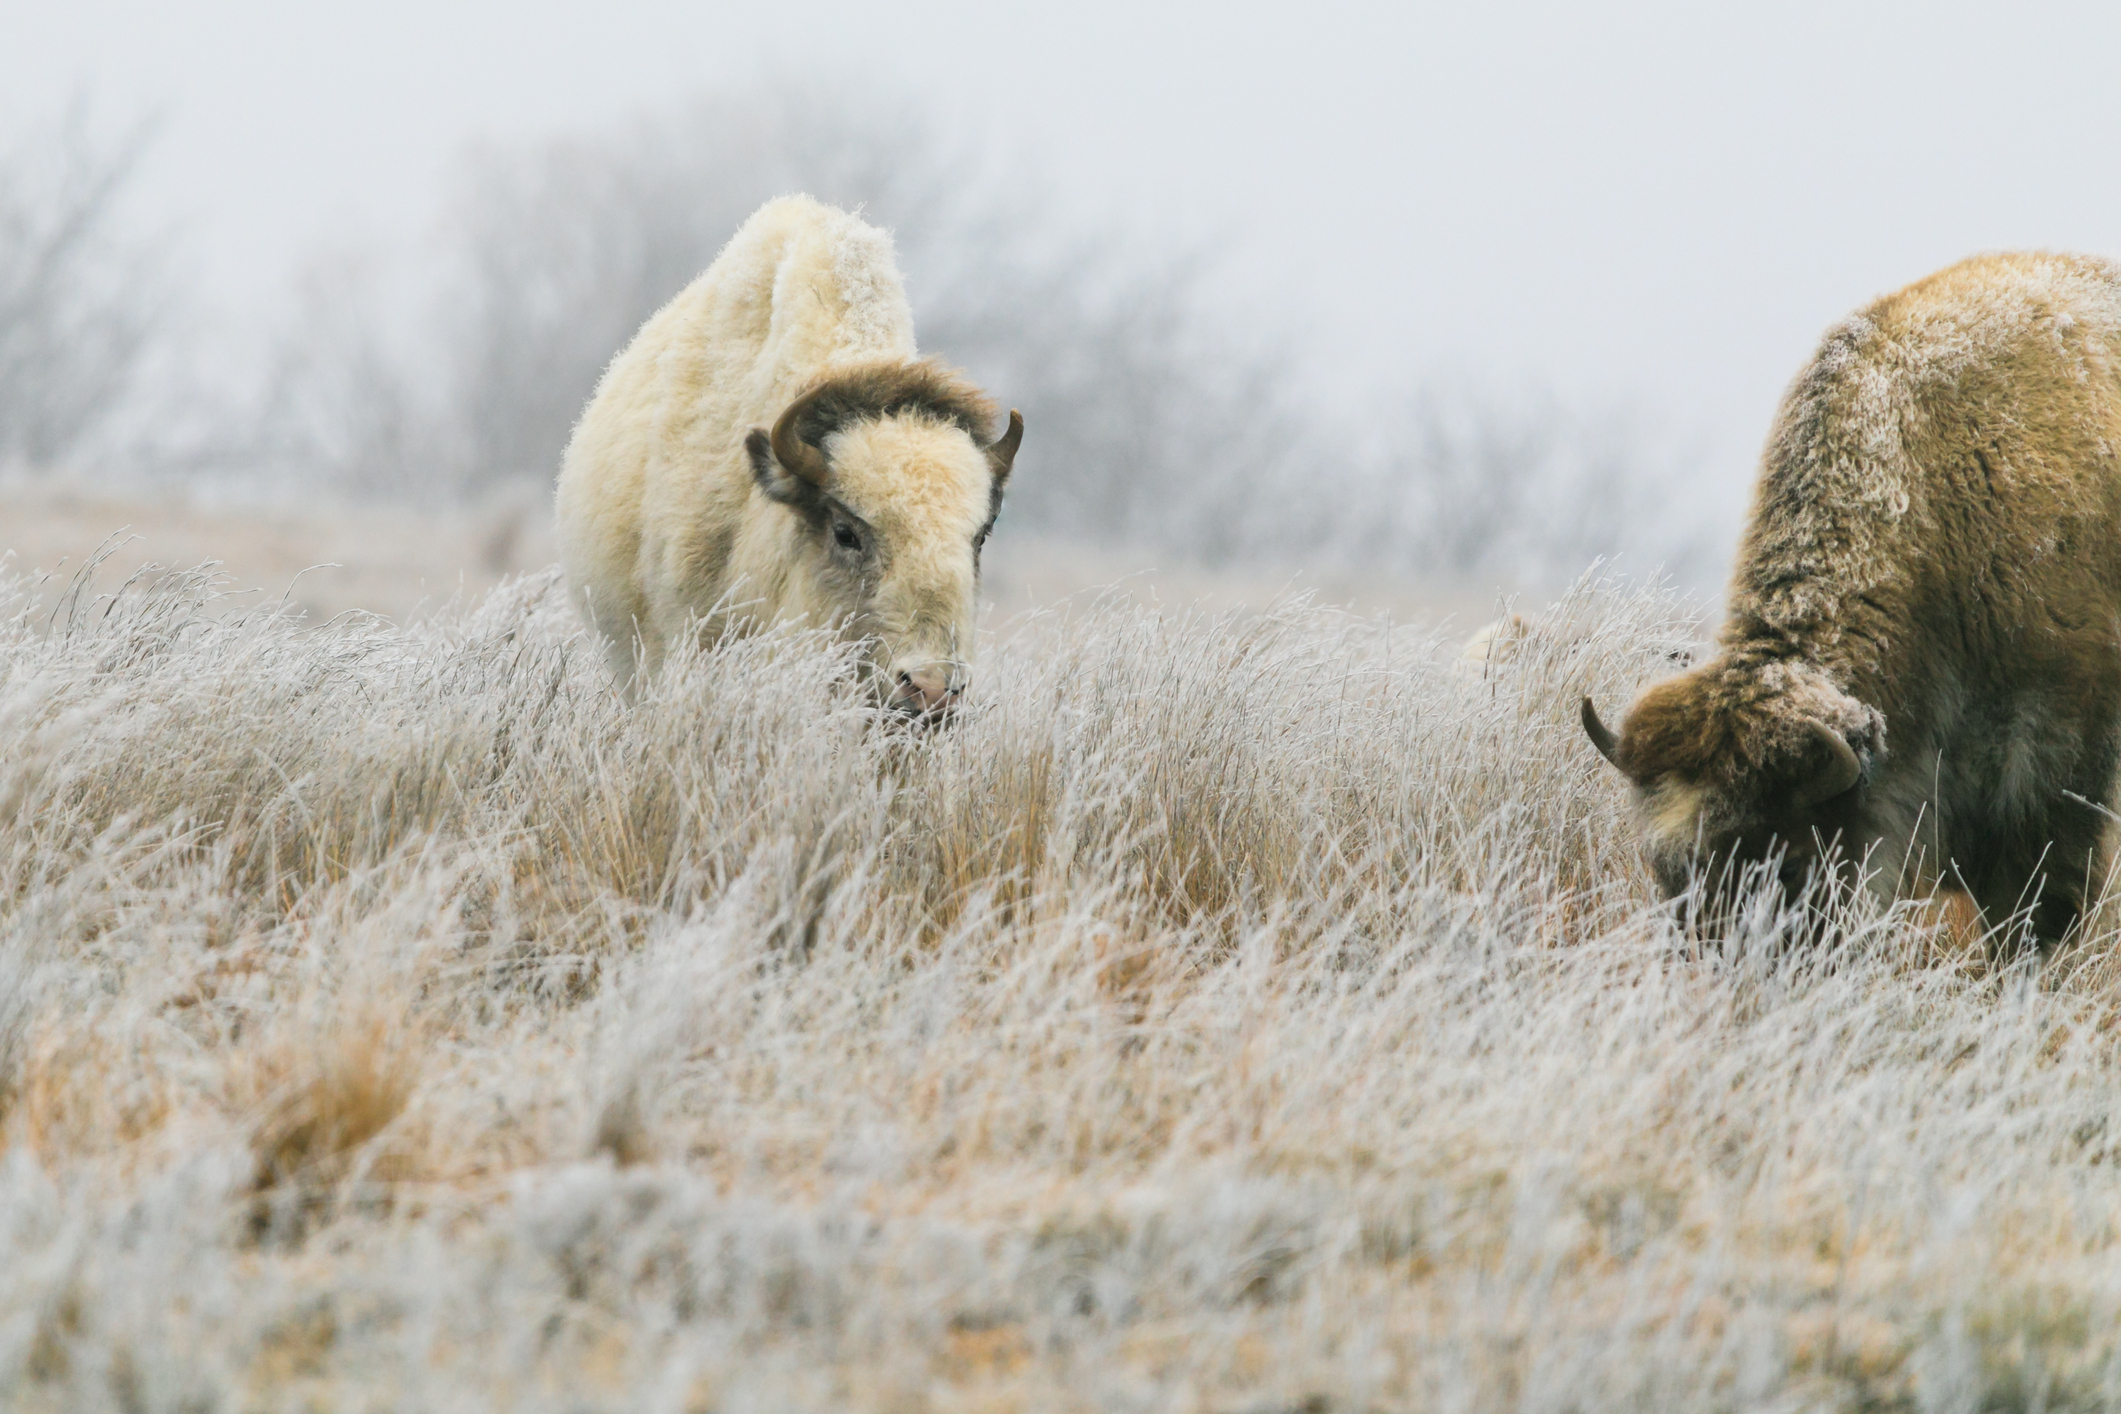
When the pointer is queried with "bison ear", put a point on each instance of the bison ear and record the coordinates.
(776, 480)
(1001, 452)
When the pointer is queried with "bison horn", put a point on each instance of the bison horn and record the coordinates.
(1600, 737)
(1001, 452)
(1838, 777)
(792, 452)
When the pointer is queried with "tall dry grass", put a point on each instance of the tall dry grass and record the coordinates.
(1240, 1013)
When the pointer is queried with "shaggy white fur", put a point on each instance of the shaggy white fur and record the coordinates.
(663, 527)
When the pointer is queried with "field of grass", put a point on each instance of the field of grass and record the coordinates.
(321, 560)
(1232, 1012)
(324, 559)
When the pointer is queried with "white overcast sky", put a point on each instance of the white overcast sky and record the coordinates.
(1657, 203)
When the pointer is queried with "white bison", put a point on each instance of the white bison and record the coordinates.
(863, 508)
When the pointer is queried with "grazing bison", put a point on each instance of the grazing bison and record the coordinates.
(769, 448)
(1921, 662)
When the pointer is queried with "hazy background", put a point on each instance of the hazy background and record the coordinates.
(1458, 293)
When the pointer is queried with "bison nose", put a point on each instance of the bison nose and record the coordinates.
(925, 692)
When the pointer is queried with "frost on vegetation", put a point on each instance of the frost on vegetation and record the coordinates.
(1235, 1013)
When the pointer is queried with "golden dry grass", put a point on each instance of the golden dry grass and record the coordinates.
(1235, 1011)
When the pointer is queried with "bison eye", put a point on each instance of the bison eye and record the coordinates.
(845, 534)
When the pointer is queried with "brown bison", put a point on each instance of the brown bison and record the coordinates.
(1921, 665)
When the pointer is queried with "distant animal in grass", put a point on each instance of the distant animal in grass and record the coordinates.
(770, 448)
(1921, 662)
(1492, 645)
(1513, 639)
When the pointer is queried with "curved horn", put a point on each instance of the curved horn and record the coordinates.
(1001, 452)
(792, 452)
(1839, 777)
(1600, 737)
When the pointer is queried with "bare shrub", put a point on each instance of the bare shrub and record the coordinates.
(1519, 487)
(81, 293)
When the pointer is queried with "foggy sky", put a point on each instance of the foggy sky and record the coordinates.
(1657, 203)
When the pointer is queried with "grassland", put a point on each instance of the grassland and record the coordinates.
(1234, 1011)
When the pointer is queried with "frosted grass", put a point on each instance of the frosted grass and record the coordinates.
(1246, 1013)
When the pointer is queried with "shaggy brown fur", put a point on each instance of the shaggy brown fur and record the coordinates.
(1932, 570)
(890, 387)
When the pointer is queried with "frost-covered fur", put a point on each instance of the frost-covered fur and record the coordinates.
(1932, 569)
(668, 527)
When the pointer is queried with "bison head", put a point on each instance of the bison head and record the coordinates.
(1740, 768)
(894, 496)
